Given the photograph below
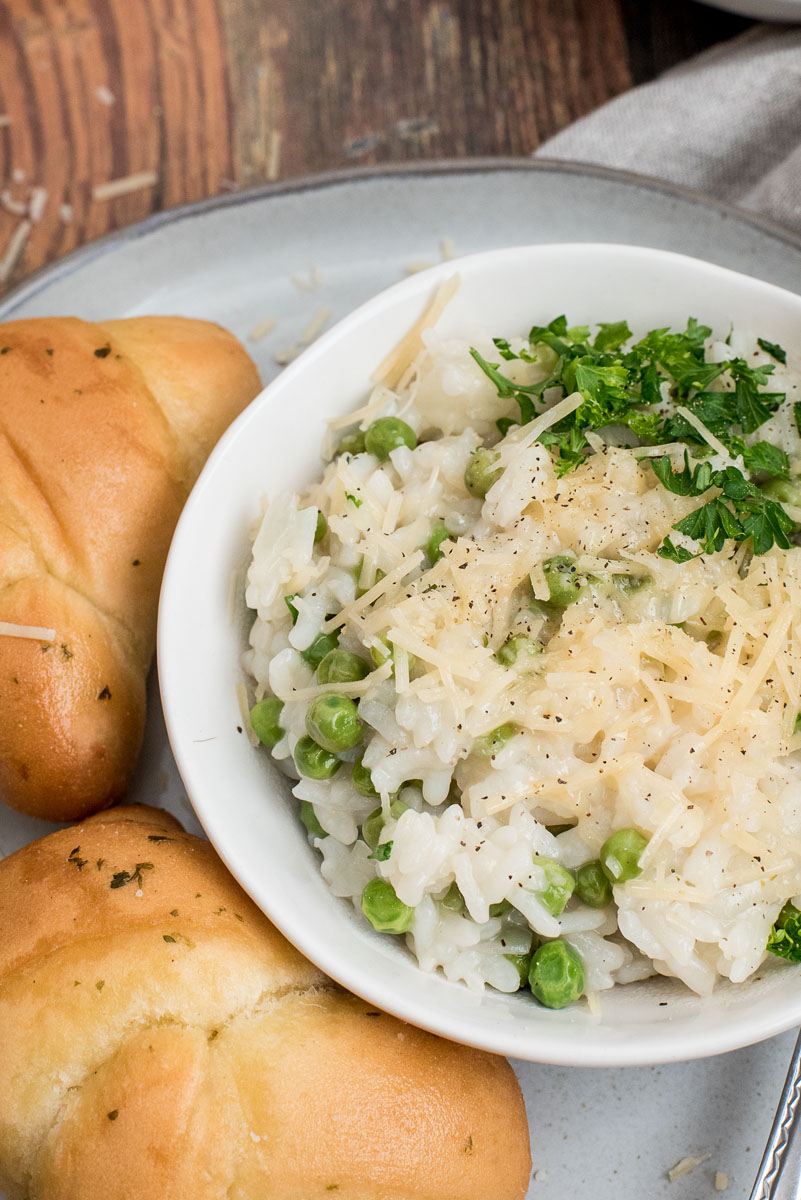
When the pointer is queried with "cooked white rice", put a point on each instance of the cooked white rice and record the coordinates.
(669, 708)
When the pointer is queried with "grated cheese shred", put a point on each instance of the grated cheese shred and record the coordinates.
(36, 632)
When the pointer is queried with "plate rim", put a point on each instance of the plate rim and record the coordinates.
(74, 260)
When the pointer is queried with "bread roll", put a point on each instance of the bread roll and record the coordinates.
(103, 431)
(159, 1040)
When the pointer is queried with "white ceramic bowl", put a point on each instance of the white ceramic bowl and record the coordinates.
(243, 801)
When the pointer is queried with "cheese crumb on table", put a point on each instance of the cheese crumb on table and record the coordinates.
(685, 1165)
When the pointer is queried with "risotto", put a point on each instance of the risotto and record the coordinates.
(531, 651)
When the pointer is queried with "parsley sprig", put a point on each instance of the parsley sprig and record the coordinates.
(739, 511)
(626, 387)
(785, 936)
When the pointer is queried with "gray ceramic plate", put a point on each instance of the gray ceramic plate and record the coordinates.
(289, 251)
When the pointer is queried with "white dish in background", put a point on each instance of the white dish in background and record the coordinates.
(242, 799)
(761, 10)
(230, 259)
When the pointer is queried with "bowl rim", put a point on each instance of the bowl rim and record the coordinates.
(552, 1045)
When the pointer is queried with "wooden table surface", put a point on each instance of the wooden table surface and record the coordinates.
(114, 109)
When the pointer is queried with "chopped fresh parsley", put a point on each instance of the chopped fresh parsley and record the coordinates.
(763, 458)
(773, 350)
(640, 388)
(740, 511)
(785, 936)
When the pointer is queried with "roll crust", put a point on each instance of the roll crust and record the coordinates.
(103, 431)
(159, 1039)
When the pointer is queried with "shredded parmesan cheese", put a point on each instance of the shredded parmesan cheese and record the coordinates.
(311, 331)
(37, 632)
(417, 265)
(244, 712)
(36, 204)
(14, 249)
(261, 330)
(685, 1165)
(17, 208)
(701, 429)
(391, 370)
(351, 611)
(124, 186)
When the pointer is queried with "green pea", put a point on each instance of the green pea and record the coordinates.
(592, 886)
(372, 825)
(309, 818)
(523, 964)
(322, 645)
(490, 743)
(620, 855)
(321, 528)
(543, 609)
(559, 885)
(340, 666)
(481, 472)
(439, 534)
(556, 974)
(384, 651)
(315, 762)
(519, 646)
(264, 719)
(630, 583)
(383, 909)
(784, 490)
(453, 900)
(557, 829)
(497, 910)
(333, 721)
(565, 582)
(362, 780)
(387, 434)
(352, 443)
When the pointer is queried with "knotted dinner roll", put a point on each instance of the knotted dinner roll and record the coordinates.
(103, 430)
(159, 1040)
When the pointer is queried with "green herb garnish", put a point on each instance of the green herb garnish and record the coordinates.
(623, 387)
(120, 879)
(785, 936)
(739, 512)
(773, 350)
(74, 858)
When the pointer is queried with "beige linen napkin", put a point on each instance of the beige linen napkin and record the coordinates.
(727, 123)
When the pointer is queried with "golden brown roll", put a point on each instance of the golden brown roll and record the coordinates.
(103, 431)
(159, 1040)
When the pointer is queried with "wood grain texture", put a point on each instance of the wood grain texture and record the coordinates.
(188, 98)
